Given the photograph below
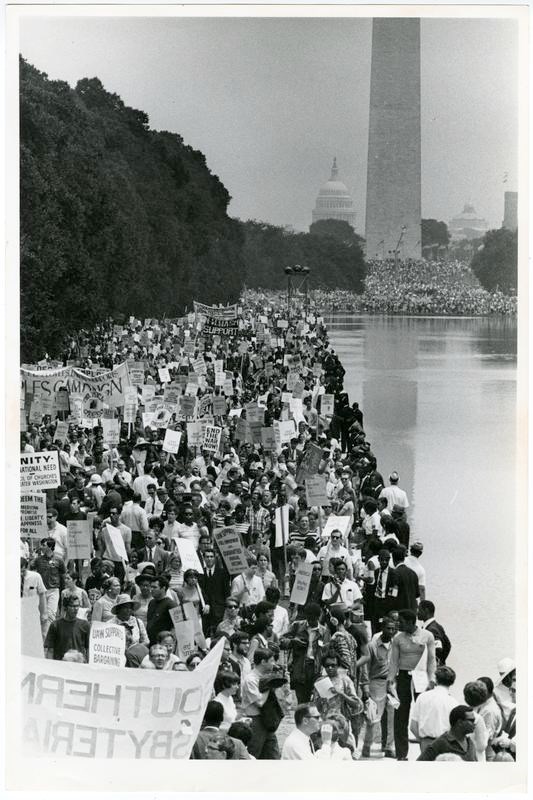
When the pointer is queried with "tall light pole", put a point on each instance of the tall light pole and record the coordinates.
(288, 273)
(402, 234)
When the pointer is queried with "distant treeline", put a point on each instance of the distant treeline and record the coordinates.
(120, 219)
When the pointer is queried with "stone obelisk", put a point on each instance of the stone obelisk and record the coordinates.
(393, 175)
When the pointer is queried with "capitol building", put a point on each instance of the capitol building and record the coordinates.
(467, 225)
(334, 201)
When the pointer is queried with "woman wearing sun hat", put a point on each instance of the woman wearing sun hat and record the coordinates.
(123, 614)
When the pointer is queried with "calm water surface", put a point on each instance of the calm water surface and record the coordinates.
(438, 397)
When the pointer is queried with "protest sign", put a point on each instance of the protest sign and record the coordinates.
(268, 439)
(111, 431)
(310, 462)
(255, 413)
(194, 434)
(61, 402)
(232, 550)
(220, 406)
(136, 371)
(212, 438)
(187, 405)
(115, 543)
(61, 431)
(164, 375)
(171, 442)
(205, 405)
(302, 580)
(315, 489)
(327, 402)
(33, 517)
(282, 324)
(130, 404)
(107, 644)
(227, 387)
(191, 387)
(188, 555)
(333, 523)
(184, 630)
(161, 417)
(147, 393)
(39, 471)
(147, 418)
(282, 526)
(31, 638)
(287, 430)
(79, 538)
(199, 366)
(172, 393)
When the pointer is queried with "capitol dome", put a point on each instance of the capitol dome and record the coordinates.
(467, 225)
(334, 201)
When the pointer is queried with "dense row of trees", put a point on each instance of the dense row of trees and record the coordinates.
(496, 262)
(331, 250)
(115, 217)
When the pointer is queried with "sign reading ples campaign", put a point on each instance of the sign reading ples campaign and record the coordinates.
(96, 712)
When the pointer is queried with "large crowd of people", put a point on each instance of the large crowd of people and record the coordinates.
(418, 287)
(329, 629)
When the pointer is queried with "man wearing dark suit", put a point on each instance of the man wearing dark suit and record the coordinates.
(153, 553)
(215, 587)
(426, 614)
(383, 592)
(408, 589)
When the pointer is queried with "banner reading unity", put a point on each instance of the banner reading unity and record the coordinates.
(79, 710)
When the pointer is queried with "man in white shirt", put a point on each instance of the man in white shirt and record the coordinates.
(413, 562)
(32, 584)
(280, 623)
(58, 533)
(393, 494)
(153, 505)
(340, 589)
(298, 745)
(142, 482)
(334, 549)
(134, 517)
(430, 716)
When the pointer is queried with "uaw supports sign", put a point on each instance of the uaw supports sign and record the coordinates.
(78, 710)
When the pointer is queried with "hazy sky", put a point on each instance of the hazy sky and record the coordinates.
(270, 102)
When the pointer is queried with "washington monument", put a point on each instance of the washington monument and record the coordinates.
(393, 177)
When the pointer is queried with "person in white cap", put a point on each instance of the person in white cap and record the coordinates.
(95, 489)
(393, 494)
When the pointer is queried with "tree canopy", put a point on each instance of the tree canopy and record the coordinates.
(434, 232)
(333, 261)
(496, 264)
(114, 217)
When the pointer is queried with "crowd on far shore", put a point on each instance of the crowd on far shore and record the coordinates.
(418, 287)
(239, 421)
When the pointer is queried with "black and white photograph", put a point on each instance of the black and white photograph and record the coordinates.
(267, 322)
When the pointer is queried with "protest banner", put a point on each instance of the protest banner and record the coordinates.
(194, 434)
(212, 438)
(31, 638)
(111, 431)
(302, 580)
(33, 517)
(333, 523)
(39, 471)
(282, 526)
(225, 312)
(108, 385)
(107, 645)
(327, 402)
(171, 442)
(315, 489)
(232, 550)
(79, 538)
(188, 555)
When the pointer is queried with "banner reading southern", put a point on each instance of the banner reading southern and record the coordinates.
(83, 711)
